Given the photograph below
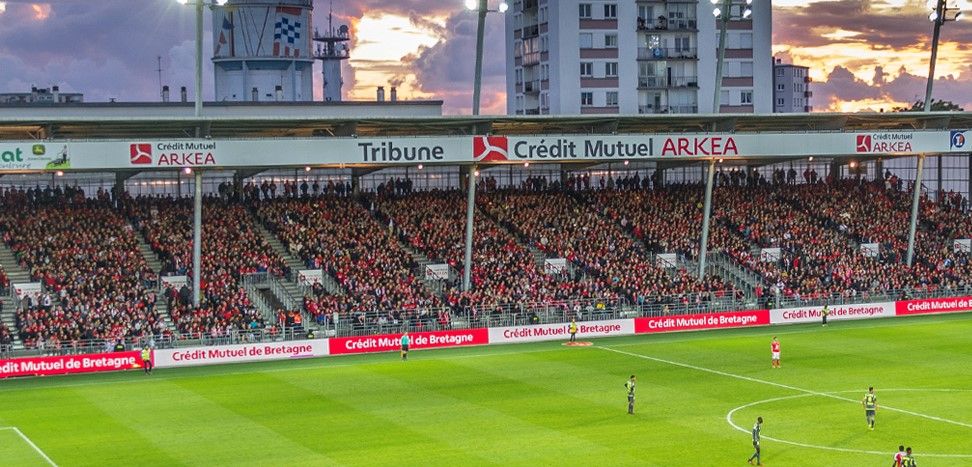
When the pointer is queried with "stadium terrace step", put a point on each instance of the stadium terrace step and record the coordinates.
(9, 318)
(294, 263)
(151, 258)
(8, 260)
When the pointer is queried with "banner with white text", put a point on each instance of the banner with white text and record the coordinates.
(560, 331)
(238, 353)
(175, 154)
(809, 314)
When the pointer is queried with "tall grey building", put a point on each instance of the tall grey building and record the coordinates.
(791, 88)
(634, 56)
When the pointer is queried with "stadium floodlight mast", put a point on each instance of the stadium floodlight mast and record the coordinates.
(940, 14)
(725, 14)
(197, 176)
(722, 10)
(482, 8)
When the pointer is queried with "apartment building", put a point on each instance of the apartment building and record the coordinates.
(791, 88)
(572, 57)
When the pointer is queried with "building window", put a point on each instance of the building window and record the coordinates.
(586, 69)
(610, 11)
(611, 69)
(779, 101)
(724, 98)
(611, 99)
(746, 97)
(610, 41)
(586, 40)
(779, 71)
(587, 99)
(746, 69)
(585, 11)
(746, 40)
(781, 87)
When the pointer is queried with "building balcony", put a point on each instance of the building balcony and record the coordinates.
(662, 82)
(663, 23)
(532, 58)
(662, 53)
(531, 112)
(652, 82)
(531, 87)
(669, 109)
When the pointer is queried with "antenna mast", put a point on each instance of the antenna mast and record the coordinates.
(158, 59)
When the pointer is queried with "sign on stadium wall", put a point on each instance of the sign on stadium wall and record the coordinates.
(69, 364)
(837, 312)
(962, 245)
(294, 152)
(238, 353)
(734, 319)
(436, 272)
(27, 288)
(174, 282)
(933, 305)
(310, 276)
(419, 340)
(560, 331)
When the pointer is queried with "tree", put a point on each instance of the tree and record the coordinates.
(937, 106)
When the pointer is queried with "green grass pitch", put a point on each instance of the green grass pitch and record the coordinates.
(533, 404)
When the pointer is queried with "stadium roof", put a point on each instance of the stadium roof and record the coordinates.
(24, 126)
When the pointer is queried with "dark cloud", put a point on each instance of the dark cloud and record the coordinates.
(447, 68)
(905, 27)
(841, 86)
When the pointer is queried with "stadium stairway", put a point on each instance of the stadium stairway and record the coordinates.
(152, 259)
(17, 275)
(437, 287)
(9, 317)
(285, 291)
(295, 290)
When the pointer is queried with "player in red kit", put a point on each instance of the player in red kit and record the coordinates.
(775, 348)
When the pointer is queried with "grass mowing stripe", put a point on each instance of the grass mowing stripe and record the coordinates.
(30, 443)
(175, 432)
(780, 385)
(832, 448)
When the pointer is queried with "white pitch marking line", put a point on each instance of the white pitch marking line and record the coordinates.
(29, 442)
(781, 385)
(831, 448)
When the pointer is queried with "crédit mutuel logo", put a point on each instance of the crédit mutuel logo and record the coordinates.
(140, 153)
(490, 148)
(885, 143)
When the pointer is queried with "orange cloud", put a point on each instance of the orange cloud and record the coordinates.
(41, 10)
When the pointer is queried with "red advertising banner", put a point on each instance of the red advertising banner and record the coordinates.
(65, 364)
(419, 340)
(733, 319)
(932, 305)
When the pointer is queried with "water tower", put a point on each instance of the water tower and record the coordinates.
(332, 49)
(262, 50)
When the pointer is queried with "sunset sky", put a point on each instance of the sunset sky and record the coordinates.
(862, 54)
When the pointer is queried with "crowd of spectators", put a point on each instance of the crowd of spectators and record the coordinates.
(340, 236)
(231, 249)
(504, 273)
(96, 285)
(86, 256)
(614, 265)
